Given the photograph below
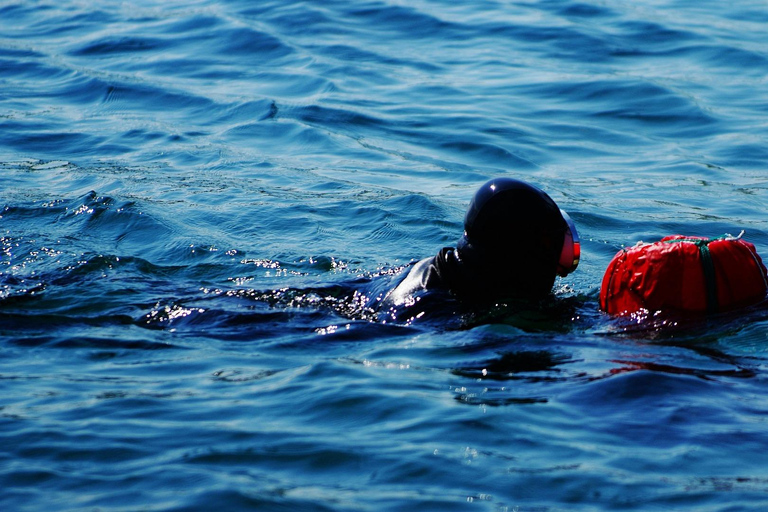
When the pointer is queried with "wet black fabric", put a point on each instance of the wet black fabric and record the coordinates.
(428, 288)
(441, 271)
(513, 236)
(484, 281)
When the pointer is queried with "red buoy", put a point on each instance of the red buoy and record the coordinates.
(689, 274)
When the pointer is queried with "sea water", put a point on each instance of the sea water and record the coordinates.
(196, 197)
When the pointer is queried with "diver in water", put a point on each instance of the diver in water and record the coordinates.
(516, 240)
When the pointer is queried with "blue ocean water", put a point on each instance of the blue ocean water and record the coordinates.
(196, 197)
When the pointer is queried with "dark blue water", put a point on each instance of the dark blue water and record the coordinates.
(198, 198)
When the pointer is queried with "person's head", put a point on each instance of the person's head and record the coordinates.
(516, 240)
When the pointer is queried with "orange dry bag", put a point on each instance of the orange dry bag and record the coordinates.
(680, 273)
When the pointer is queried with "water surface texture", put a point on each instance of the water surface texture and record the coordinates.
(197, 200)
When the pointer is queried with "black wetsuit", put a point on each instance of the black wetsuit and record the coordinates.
(513, 236)
(409, 299)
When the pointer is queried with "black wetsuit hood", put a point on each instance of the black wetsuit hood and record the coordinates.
(513, 236)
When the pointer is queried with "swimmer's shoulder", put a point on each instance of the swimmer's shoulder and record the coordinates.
(426, 274)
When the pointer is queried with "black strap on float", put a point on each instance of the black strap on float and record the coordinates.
(708, 267)
(709, 276)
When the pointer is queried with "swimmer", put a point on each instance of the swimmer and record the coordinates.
(516, 241)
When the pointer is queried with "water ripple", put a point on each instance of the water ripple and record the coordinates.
(201, 202)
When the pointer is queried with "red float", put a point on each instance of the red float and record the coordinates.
(689, 274)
